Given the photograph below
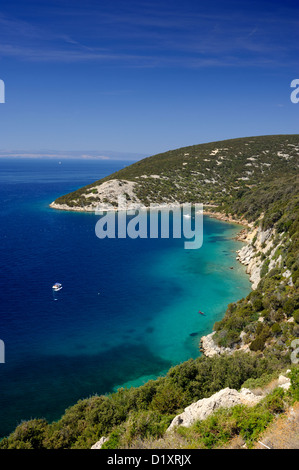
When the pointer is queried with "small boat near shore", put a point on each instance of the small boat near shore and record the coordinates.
(57, 286)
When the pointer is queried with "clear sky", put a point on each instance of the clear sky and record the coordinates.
(142, 77)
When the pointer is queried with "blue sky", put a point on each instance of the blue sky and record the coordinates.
(141, 77)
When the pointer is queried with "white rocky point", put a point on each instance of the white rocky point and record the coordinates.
(210, 348)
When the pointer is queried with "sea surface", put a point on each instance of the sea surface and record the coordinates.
(128, 310)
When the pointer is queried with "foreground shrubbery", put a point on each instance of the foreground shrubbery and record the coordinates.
(146, 410)
(225, 424)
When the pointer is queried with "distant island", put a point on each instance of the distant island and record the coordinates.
(248, 371)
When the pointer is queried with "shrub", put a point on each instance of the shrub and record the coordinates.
(145, 424)
(274, 402)
(249, 422)
(276, 329)
(261, 381)
(294, 389)
(257, 303)
(167, 399)
(258, 344)
(252, 422)
(289, 307)
(28, 435)
(296, 315)
(114, 440)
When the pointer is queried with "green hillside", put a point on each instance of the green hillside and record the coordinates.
(207, 173)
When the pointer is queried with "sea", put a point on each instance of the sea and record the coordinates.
(128, 309)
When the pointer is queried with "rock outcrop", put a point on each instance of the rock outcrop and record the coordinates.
(225, 398)
(99, 444)
(259, 248)
(104, 196)
(210, 348)
(284, 382)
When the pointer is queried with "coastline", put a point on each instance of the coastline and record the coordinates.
(136, 205)
(228, 218)
(206, 344)
(259, 250)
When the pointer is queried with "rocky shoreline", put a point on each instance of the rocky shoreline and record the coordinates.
(259, 249)
(229, 218)
(252, 254)
(207, 345)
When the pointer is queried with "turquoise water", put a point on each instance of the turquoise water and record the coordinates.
(128, 309)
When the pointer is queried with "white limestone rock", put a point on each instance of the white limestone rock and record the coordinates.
(284, 382)
(99, 444)
(210, 348)
(201, 409)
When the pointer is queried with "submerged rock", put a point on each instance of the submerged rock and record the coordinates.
(99, 444)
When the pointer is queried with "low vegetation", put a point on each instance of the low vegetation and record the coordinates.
(129, 416)
(207, 173)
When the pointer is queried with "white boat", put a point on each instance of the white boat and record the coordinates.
(57, 286)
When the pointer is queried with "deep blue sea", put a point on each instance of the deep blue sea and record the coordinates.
(128, 309)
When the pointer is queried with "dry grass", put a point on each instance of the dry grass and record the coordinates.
(283, 433)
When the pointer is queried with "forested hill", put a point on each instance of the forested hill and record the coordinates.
(211, 173)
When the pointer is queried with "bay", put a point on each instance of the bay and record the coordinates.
(128, 309)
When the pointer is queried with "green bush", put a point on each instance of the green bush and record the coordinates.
(258, 344)
(252, 422)
(276, 329)
(28, 435)
(289, 307)
(274, 402)
(257, 303)
(296, 315)
(143, 425)
(167, 399)
(294, 389)
(261, 381)
(114, 440)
